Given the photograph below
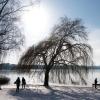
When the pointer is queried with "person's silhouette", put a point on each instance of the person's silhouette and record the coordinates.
(23, 82)
(17, 82)
(95, 82)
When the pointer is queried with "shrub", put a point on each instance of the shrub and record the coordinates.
(4, 80)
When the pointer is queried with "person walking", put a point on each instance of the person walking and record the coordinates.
(23, 83)
(17, 82)
(95, 82)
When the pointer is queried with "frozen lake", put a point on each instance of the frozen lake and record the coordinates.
(57, 76)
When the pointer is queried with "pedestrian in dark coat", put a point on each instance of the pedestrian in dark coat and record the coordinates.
(17, 82)
(23, 82)
(95, 82)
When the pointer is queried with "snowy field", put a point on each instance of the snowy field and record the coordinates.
(53, 93)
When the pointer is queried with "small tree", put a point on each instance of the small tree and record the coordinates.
(67, 46)
(3, 80)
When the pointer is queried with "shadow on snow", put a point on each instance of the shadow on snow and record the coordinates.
(56, 93)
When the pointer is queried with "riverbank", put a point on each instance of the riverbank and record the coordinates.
(52, 93)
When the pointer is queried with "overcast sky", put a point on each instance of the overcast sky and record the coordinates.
(52, 10)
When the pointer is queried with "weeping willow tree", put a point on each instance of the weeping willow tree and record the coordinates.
(67, 46)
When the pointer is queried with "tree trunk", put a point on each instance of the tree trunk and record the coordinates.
(46, 79)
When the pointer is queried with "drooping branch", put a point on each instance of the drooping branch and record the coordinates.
(67, 46)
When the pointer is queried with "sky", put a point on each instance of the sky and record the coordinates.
(38, 22)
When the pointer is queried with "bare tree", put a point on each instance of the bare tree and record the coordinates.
(67, 46)
(10, 34)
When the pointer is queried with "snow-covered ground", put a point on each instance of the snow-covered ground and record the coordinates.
(39, 92)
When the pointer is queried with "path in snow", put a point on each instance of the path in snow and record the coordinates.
(53, 93)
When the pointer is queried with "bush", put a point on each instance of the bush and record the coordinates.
(4, 80)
